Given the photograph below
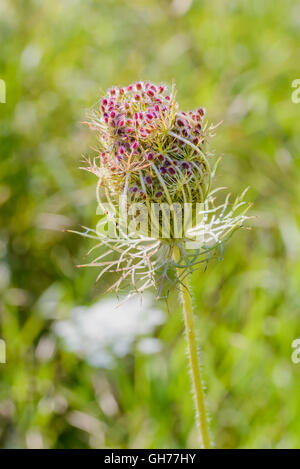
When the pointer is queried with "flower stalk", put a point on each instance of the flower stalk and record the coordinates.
(194, 363)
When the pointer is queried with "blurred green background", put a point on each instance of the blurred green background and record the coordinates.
(237, 59)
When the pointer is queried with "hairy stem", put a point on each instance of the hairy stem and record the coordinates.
(193, 355)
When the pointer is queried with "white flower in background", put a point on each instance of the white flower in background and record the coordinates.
(108, 329)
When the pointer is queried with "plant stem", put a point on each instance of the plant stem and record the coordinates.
(201, 414)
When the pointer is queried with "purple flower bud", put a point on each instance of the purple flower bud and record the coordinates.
(150, 156)
(171, 171)
(103, 158)
(158, 194)
(163, 170)
(135, 145)
(185, 165)
(148, 179)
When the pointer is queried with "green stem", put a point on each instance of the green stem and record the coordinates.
(193, 355)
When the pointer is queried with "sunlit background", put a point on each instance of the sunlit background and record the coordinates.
(80, 374)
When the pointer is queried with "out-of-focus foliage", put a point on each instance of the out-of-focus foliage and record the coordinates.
(238, 59)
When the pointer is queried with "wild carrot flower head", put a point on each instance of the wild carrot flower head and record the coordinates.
(151, 153)
(148, 148)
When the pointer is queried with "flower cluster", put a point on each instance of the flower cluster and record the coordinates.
(150, 151)
(148, 148)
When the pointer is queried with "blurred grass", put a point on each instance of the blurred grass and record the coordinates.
(238, 59)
